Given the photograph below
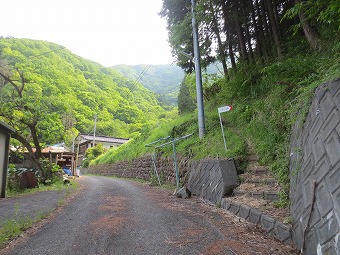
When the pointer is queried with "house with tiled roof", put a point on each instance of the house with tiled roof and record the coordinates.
(86, 141)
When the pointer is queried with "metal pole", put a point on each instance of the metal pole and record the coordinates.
(176, 165)
(94, 130)
(199, 92)
(153, 157)
(225, 143)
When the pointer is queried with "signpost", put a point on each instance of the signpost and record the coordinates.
(226, 108)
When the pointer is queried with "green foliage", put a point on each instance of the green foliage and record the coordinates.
(185, 101)
(326, 12)
(93, 153)
(12, 181)
(49, 172)
(63, 92)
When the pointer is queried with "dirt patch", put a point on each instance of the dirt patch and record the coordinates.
(113, 204)
(113, 224)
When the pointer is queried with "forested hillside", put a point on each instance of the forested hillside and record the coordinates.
(274, 54)
(48, 95)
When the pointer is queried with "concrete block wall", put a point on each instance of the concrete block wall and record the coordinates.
(315, 174)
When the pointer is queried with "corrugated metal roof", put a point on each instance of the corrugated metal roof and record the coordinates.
(107, 139)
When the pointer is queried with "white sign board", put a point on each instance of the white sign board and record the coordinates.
(226, 108)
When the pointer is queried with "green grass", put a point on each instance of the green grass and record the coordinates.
(266, 101)
(55, 186)
(12, 228)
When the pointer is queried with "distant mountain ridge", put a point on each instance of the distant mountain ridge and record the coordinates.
(164, 80)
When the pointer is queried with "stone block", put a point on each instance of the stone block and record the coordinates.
(234, 208)
(213, 179)
(329, 249)
(271, 196)
(254, 216)
(334, 87)
(311, 242)
(225, 203)
(307, 167)
(337, 242)
(258, 195)
(183, 192)
(316, 126)
(268, 223)
(321, 169)
(297, 208)
(333, 178)
(328, 228)
(332, 145)
(330, 123)
(298, 235)
(326, 104)
(336, 200)
(283, 232)
(318, 148)
(307, 192)
(323, 199)
(244, 212)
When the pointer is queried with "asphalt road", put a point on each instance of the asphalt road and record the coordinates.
(113, 216)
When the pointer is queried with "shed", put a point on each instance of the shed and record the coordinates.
(5, 135)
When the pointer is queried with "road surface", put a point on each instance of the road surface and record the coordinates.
(113, 216)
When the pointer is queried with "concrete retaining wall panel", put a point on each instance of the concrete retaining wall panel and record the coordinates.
(213, 180)
(315, 156)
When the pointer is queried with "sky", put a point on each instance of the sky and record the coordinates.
(109, 32)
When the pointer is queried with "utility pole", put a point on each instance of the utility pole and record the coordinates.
(199, 91)
(94, 130)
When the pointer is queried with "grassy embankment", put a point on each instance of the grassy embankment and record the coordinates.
(266, 101)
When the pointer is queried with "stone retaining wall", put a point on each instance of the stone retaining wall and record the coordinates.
(315, 174)
(142, 168)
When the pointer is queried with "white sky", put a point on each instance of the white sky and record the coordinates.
(109, 32)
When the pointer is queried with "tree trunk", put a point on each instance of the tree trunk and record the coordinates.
(247, 33)
(256, 31)
(311, 36)
(231, 51)
(274, 29)
(262, 29)
(221, 48)
(228, 36)
(239, 32)
(29, 148)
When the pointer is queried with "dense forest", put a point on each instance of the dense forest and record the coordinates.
(49, 95)
(235, 31)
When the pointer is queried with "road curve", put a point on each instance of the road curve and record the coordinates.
(113, 216)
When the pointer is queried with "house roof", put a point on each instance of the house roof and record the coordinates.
(106, 139)
(6, 128)
(57, 148)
